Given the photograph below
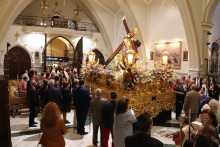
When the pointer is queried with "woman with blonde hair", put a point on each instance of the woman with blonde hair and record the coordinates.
(52, 126)
(13, 90)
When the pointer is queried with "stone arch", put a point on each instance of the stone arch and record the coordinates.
(192, 39)
(99, 54)
(48, 42)
(23, 47)
(209, 11)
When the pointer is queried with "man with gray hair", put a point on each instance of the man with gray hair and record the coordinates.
(53, 94)
(192, 101)
(214, 105)
(96, 108)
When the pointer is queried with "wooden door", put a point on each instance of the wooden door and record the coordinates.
(19, 61)
(78, 55)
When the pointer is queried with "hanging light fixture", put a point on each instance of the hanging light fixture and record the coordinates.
(164, 57)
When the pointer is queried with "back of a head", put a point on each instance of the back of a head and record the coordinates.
(186, 120)
(32, 82)
(98, 92)
(193, 87)
(113, 95)
(51, 82)
(81, 82)
(144, 122)
(76, 81)
(45, 83)
(65, 84)
(209, 131)
(214, 105)
(50, 115)
(205, 107)
(56, 78)
(203, 141)
(47, 74)
(122, 106)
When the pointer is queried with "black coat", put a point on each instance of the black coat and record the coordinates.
(142, 140)
(53, 94)
(33, 98)
(108, 114)
(81, 98)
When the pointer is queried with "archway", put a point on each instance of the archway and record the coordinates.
(98, 55)
(19, 61)
(65, 55)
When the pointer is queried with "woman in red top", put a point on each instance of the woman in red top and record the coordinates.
(52, 126)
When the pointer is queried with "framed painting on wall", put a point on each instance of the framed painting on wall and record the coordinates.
(185, 55)
(36, 55)
(173, 48)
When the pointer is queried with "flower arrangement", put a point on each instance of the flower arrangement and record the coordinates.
(163, 72)
(92, 69)
(141, 74)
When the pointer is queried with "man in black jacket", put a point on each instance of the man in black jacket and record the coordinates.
(53, 94)
(143, 139)
(33, 100)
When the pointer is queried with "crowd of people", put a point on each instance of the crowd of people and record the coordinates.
(198, 99)
(60, 89)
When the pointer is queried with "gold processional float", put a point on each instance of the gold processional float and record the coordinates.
(147, 88)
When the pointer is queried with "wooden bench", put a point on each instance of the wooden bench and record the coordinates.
(18, 104)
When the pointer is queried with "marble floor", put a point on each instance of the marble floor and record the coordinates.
(23, 136)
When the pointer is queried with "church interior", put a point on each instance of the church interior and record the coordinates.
(180, 37)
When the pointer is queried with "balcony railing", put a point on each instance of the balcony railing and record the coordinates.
(55, 22)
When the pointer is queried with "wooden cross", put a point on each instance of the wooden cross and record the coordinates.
(130, 35)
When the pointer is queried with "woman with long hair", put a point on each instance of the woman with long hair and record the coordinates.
(123, 122)
(52, 126)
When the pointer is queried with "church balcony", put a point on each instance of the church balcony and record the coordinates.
(55, 25)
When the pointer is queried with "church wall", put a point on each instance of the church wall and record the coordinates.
(34, 42)
(107, 18)
(67, 10)
(165, 25)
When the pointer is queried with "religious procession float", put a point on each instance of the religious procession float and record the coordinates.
(147, 88)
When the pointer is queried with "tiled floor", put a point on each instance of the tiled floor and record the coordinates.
(23, 136)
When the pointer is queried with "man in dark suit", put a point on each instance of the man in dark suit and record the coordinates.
(53, 94)
(198, 81)
(180, 95)
(82, 103)
(96, 108)
(33, 100)
(108, 119)
(192, 101)
(143, 139)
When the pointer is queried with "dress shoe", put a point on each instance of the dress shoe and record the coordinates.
(35, 123)
(84, 133)
(32, 126)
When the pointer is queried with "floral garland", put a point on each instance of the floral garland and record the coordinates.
(141, 74)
